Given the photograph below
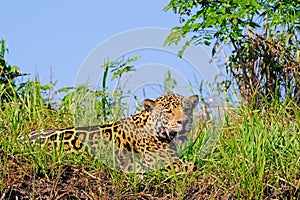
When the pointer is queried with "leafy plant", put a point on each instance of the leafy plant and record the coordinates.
(113, 99)
(101, 106)
(261, 38)
(169, 83)
(8, 73)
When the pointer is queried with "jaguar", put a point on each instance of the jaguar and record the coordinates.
(143, 141)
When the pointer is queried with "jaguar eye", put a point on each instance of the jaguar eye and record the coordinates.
(169, 111)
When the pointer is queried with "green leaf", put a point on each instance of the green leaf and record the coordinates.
(15, 69)
(65, 89)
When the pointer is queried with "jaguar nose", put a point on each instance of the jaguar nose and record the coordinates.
(182, 121)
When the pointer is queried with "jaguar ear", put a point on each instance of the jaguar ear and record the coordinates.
(148, 104)
(194, 100)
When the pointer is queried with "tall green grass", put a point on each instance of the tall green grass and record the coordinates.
(255, 154)
(258, 152)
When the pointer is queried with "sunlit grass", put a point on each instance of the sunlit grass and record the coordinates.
(256, 154)
(259, 153)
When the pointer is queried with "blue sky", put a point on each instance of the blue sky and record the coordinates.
(60, 34)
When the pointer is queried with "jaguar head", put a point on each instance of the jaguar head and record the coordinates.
(171, 114)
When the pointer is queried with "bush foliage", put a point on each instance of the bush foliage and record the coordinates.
(261, 38)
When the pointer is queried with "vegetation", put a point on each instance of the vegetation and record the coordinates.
(261, 39)
(7, 75)
(254, 153)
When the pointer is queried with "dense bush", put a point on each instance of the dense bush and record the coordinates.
(261, 38)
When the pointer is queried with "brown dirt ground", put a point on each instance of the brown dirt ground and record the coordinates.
(69, 181)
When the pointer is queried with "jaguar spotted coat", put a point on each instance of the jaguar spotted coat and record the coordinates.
(140, 142)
